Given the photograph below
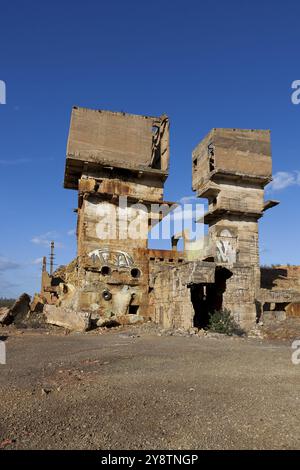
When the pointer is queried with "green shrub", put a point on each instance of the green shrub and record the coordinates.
(221, 321)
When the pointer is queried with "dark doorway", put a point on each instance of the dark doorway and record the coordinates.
(199, 301)
(208, 298)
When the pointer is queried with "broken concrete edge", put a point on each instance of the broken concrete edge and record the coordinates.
(18, 312)
(24, 313)
(67, 318)
(4, 315)
(80, 321)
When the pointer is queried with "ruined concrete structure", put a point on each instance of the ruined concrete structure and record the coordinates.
(113, 157)
(231, 167)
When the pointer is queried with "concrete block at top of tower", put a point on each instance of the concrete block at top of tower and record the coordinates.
(144, 189)
(129, 143)
(234, 154)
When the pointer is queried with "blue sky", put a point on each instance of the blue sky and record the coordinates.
(205, 64)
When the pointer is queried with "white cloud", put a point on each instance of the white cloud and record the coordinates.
(71, 232)
(284, 179)
(37, 261)
(188, 199)
(46, 238)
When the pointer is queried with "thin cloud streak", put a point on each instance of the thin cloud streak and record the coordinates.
(283, 180)
(45, 239)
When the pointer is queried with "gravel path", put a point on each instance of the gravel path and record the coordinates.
(123, 391)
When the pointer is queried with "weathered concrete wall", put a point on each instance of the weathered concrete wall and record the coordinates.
(104, 140)
(73, 320)
(239, 296)
(239, 197)
(243, 151)
(145, 188)
(280, 277)
(231, 168)
(100, 227)
(105, 135)
(293, 309)
(103, 223)
(243, 236)
(171, 300)
(112, 155)
(232, 151)
(281, 285)
(171, 295)
(162, 259)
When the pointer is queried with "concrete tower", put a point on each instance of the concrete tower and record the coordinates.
(231, 168)
(113, 155)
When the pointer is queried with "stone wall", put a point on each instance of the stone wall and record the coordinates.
(172, 300)
(171, 295)
(239, 296)
(281, 285)
(280, 277)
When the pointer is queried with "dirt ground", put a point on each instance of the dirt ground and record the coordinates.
(134, 389)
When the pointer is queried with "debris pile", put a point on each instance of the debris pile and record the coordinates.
(18, 314)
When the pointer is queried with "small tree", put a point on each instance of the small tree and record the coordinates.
(221, 321)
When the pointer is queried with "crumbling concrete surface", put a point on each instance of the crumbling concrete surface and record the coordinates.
(37, 303)
(293, 310)
(18, 312)
(122, 300)
(67, 318)
(20, 309)
(4, 315)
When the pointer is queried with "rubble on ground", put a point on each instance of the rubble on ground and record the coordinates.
(67, 318)
(4, 315)
(17, 313)
(23, 313)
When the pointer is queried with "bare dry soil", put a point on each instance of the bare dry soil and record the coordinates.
(133, 389)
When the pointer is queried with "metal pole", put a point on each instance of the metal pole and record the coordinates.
(51, 258)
